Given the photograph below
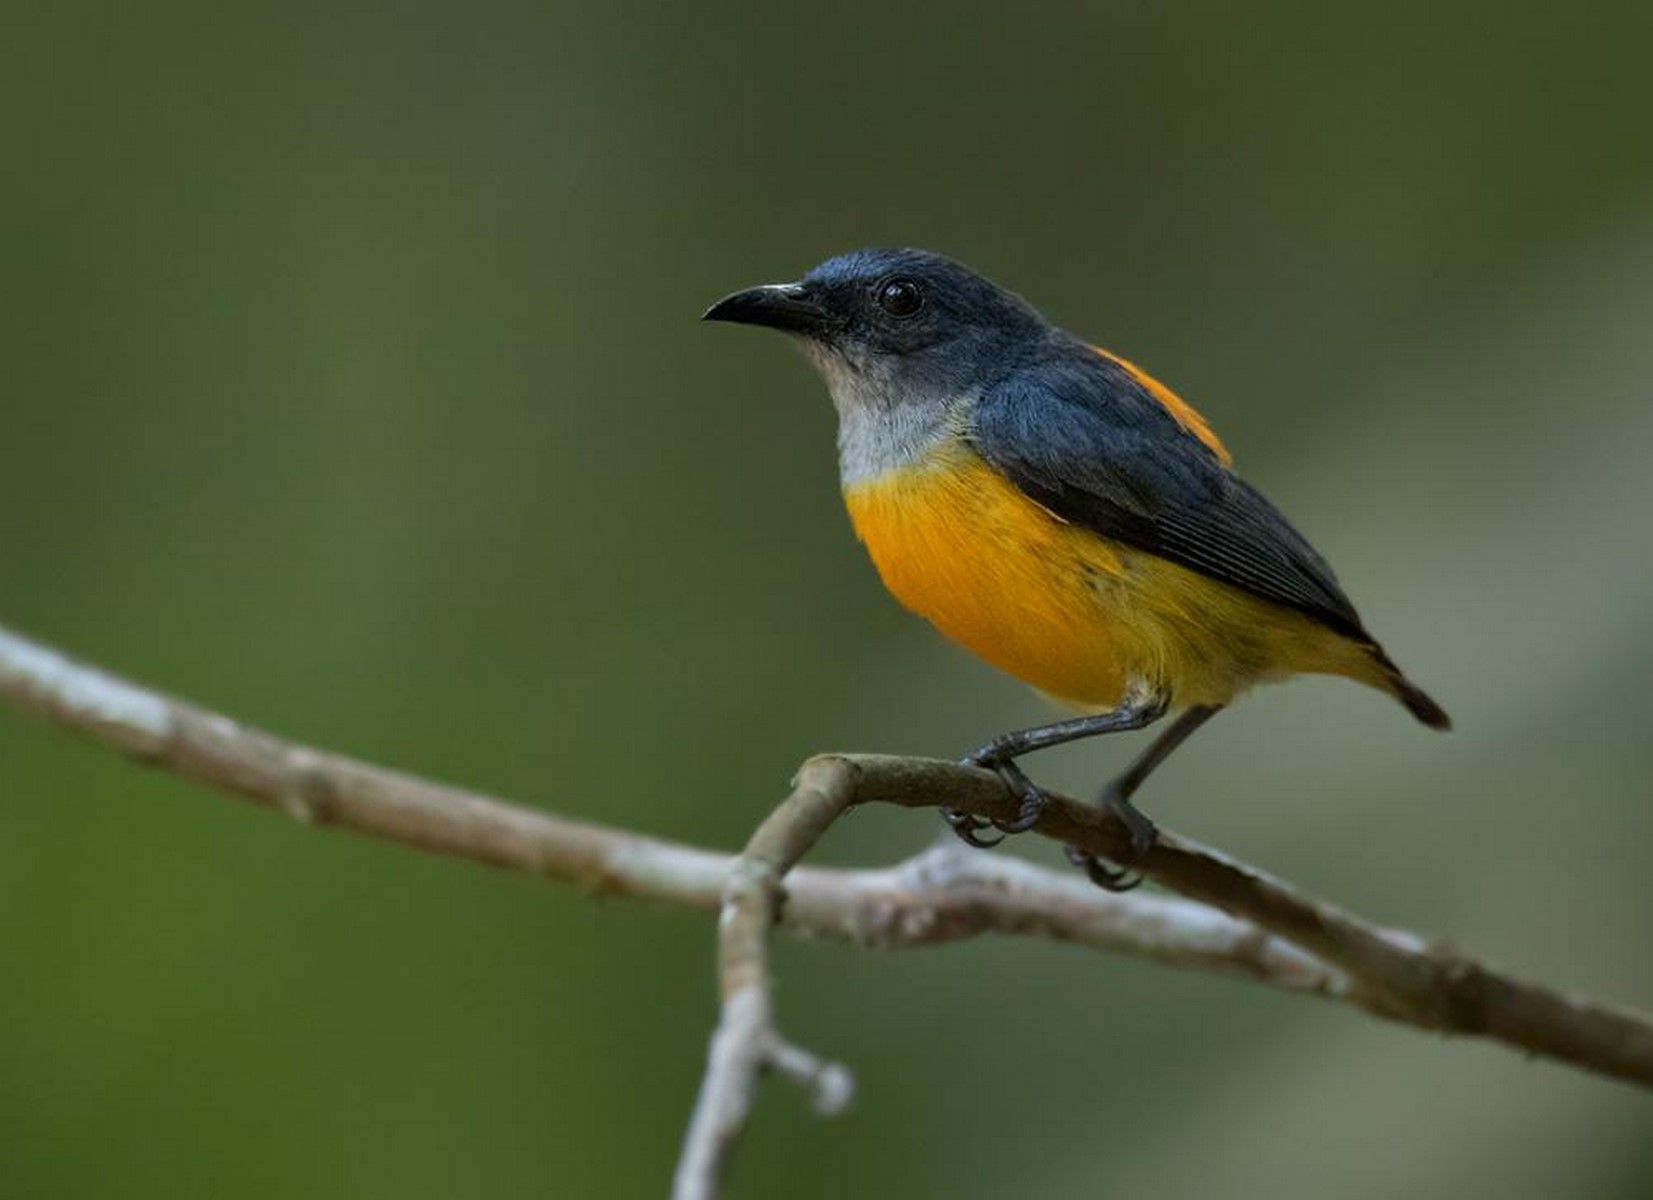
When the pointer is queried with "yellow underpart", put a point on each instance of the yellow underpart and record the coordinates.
(1079, 617)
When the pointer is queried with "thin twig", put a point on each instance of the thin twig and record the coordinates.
(747, 1040)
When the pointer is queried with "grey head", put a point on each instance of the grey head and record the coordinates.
(905, 339)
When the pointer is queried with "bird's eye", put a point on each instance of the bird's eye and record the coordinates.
(900, 297)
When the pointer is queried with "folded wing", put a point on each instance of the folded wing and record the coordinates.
(1081, 436)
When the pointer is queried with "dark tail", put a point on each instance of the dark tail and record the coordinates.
(1417, 701)
(1419, 704)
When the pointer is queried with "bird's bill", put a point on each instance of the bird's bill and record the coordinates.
(784, 306)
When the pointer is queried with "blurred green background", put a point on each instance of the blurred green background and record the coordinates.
(351, 382)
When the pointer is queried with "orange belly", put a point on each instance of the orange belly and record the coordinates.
(1079, 617)
(958, 544)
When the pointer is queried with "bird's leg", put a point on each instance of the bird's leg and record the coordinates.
(1115, 798)
(1000, 755)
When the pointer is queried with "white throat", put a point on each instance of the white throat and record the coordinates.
(879, 432)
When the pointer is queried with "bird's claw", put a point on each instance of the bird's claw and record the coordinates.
(1015, 779)
(968, 827)
(1142, 834)
(1026, 818)
(1140, 831)
(1108, 878)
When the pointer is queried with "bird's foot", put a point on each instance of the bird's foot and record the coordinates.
(1108, 878)
(1142, 832)
(969, 827)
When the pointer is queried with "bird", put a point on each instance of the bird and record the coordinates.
(1063, 515)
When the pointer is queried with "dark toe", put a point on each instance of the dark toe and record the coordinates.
(968, 827)
(1015, 779)
(1033, 807)
(1109, 879)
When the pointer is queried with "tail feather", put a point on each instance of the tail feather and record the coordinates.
(1417, 701)
(1419, 704)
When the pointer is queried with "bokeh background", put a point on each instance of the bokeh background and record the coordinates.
(351, 382)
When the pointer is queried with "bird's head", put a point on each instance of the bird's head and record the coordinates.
(895, 328)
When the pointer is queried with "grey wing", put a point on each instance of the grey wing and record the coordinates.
(1092, 446)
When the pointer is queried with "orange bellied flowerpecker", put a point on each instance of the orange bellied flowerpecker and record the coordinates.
(1061, 513)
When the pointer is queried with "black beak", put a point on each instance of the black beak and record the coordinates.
(784, 306)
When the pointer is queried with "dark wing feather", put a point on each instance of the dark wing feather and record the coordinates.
(1079, 435)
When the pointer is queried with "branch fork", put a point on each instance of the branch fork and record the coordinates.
(1229, 917)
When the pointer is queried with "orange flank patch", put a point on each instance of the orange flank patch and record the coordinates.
(1078, 616)
(1174, 404)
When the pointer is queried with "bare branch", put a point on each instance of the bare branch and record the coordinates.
(942, 895)
(1235, 918)
(1394, 974)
